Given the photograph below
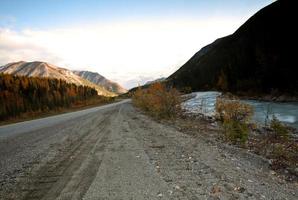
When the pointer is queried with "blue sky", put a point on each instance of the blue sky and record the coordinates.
(128, 29)
(56, 13)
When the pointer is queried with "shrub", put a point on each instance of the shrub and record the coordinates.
(227, 110)
(158, 100)
(236, 131)
(235, 116)
(279, 129)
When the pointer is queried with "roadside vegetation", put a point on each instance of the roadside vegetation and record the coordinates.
(26, 97)
(158, 100)
(278, 143)
(235, 117)
(232, 124)
(273, 141)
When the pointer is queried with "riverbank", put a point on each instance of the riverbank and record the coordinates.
(282, 98)
(229, 121)
(263, 139)
(281, 156)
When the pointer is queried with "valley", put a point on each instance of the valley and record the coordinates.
(116, 152)
(101, 100)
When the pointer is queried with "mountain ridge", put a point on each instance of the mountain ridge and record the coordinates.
(98, 79)
(46, 70)
(256, 58)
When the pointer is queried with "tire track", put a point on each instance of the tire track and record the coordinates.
(52, 178)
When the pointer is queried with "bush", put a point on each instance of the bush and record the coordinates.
(236, 131)
(235, 116)
(228, 110)
(279, 130)
(158, 100)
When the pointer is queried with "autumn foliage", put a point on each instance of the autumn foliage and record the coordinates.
(233, 110)
(20, 94)
(235, 116)
(158, 100)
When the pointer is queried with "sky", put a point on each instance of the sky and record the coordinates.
(128, 41)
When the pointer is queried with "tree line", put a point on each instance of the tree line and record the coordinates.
(20, 94)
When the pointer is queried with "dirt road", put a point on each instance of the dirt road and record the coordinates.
(115, 152)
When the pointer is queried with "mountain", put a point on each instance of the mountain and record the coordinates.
(43, 69)
(155, 81)
(101, 81)
(257, 58)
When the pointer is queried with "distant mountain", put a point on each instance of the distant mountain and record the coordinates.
(101, 81)
(155, 81)
(257, 58)
(43, 69)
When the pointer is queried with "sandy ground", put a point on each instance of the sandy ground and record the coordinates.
(115, 152)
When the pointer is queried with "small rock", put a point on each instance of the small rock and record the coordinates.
(215, 191)
(159, 195)
(177, 187)
(273, 172)
(168, 180)
(239, 189)
(270, 161)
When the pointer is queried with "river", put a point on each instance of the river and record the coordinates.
(204, 103)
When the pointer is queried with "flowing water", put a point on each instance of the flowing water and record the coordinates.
(204, 103)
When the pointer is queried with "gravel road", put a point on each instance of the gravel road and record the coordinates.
(115, 152)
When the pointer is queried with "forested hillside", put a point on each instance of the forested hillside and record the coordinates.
(20, 94)
(257, 58)
(47, 70)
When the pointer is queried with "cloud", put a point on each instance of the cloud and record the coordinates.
(126, 52)
(16, 46)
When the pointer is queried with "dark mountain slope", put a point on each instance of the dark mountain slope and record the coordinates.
(257, 58)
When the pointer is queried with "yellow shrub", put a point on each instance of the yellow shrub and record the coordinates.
(158, 100)
(228, 110)
(235, 115)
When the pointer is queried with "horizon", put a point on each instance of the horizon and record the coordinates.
(117, 39)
